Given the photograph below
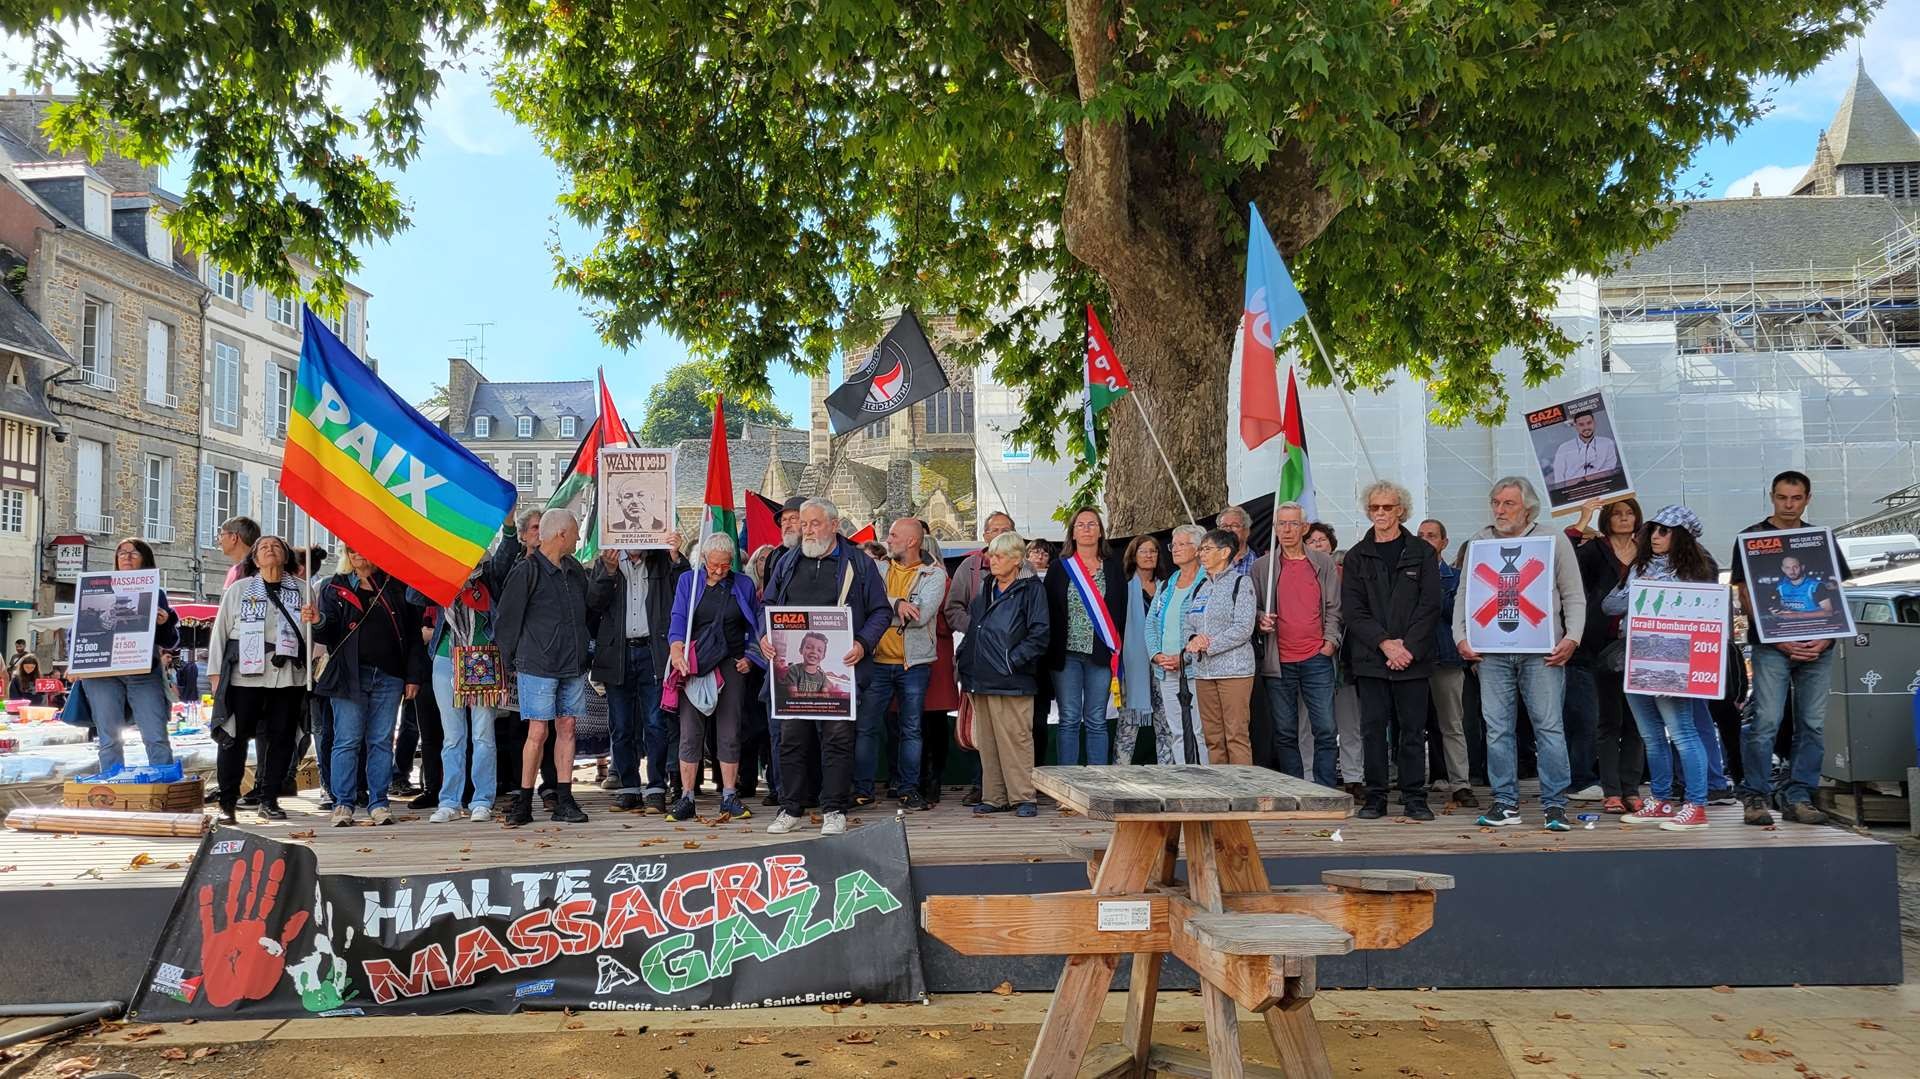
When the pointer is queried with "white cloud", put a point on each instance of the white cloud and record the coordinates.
(1891, 49)
(1773, 180)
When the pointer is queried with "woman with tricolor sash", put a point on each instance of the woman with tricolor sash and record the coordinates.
(1087, 612)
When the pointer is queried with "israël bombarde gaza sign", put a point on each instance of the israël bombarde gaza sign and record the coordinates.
(258, 932)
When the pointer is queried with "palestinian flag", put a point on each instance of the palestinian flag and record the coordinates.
(1106, 381)
(1296, 474)
(720, 516)
(578, 488)
(763, 522)
(865, 535)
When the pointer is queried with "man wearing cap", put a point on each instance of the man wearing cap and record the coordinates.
(1806, 666)
(1506, 677)
(967, 581)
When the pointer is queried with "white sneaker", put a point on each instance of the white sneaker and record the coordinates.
(1587, 794)
(342, 816)
(443, 815)
(833, 824)
(381, 815)
(783, 823)
(481, 814)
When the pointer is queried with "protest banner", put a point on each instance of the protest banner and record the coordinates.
(1579, 459)
(113, 623)
(636, 498)
(1509, 589)
(811, 676)
(258, 932)
(1793, 585)
(1676, 633)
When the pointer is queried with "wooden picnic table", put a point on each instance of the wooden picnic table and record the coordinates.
(1251, 944)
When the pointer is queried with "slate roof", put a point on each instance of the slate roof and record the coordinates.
(16, 150)
(1771, 238)
(747, 457)
(546, 402)
(1868, 130)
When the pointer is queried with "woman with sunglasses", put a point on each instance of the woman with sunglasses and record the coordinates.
(1669, 551)
(143, 696)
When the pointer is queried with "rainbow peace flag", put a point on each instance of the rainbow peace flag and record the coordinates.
(377, 474)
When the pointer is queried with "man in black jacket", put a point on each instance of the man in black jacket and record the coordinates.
(630, 595)
(542, 633)
(1390, 601)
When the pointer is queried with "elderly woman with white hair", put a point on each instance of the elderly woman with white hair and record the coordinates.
(1176, 725)
(711, 637)
(1000, 665)
(1390, 601)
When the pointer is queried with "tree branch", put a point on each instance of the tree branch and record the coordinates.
(1292, 202)
(1094, 222)
(1039, 59)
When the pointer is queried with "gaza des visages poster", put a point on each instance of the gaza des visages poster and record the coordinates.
(258, 932)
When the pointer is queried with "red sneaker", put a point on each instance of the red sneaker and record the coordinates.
(1651, 811)
(1689, 818)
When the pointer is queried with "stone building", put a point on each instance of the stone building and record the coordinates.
(252, 362)
(526, 431)
(919, 464)
(1867, 150)
(769, 460)
(96, 265)
(29, 356)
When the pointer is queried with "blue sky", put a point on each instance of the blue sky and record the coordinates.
(483, 211)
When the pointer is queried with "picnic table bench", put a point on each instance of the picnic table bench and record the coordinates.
(1252, 944)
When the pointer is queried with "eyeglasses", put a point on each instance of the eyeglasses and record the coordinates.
(1289, 524)
(1211, 547)
(1392, 508)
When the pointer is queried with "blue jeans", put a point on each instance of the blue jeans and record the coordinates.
(1505, 679)
(630, 716)
(457, 724)
(888, 683)
(1082, 688)
(112, 699)
(1311, 682)
(1663, 718)
(363, 729)
(1772, 673)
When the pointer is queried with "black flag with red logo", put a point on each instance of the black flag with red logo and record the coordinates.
(901, 371)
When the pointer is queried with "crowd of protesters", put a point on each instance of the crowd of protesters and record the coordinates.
(1349, 667)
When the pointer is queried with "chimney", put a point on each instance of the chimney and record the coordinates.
(462, 380)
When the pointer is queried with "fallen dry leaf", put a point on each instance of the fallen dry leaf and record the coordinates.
(1427, 1023)
(308, 834)
(363, 850)
(143, 1033)
(1616, 1045)
(832, 1009)
(691, 844)
(1759, 1034)
(1868, 1024)
(205, 1051)
(1004, 989)
(139, 860)
(1756, 1056)
(1723, 988)
(173, 1053)
(1563, 1015)
(857, 1037)
(1189, 1028)
(935, 1033)
(171, 865)
(755, 1039)
(981, 1025)
(1537, 1058)
(576, 1025)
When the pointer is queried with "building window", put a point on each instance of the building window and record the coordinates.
(352, 325)
(96, 344)
(98, 211)
(950, 412)
(282, 309)
(89, 478)
(880, 429)
(159, 363)
(159, 243)
(333, 324)
(279, 399)
(13, 511)
(523, 474)
(483, 427)
(223, 487)
(567, 425)
(157, 518)
(525, 426)
(224, 283)
(226, 385)
(288, 516)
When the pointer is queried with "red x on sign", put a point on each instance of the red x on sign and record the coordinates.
(1510, 592)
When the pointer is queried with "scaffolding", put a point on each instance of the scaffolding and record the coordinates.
(1874, 303)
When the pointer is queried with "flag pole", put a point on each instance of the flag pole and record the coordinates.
(1345, 401)
(1136, 393)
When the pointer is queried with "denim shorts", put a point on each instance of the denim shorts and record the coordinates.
(544, 699)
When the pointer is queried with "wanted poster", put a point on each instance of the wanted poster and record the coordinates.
(1793, 585)
(113, 626)
(811, 676)
(1579, 459)
(635, 498)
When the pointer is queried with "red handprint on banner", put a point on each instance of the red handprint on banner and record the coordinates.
(243, 961)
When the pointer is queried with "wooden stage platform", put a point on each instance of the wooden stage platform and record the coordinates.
(1616, 905)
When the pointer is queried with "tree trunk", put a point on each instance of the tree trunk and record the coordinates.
(1139, 213)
